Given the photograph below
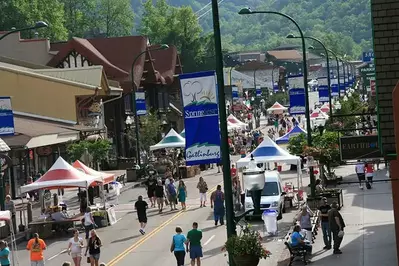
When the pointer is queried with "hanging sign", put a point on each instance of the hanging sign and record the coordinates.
(6, 117)
(258, 91)
(140, 103)
(368, 56)
(372, 87)
(334, 87)
(297, 95)
(201, 117)
(324, 94)
(234, 93)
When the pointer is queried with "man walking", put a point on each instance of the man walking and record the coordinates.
(217, 200)
(359, 168)
(193, 244)
(324, 208)
(141, 206)
(337, 226)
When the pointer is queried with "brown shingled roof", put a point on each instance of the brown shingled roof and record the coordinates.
(165, 62)
(288, 55)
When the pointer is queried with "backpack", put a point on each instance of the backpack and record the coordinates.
(171, 189)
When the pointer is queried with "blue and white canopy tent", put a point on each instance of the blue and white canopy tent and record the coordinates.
(170, 141)
(294, 132)
(269, 152)
(183, 133)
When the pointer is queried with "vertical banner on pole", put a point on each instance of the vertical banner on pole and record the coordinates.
(6, 117)
(234, 93)
(342, 86)
(346, 83)
(334, 87)
(140, 103)
(297, 95)
(324, 94)
(201, 117)
(258, 91)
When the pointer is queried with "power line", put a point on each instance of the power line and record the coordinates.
(205, 6)
(209, 10)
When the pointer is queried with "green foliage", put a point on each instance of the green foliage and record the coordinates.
(150, 130)
(328, 145)
(297, 144)
(97, 149)
(248, 242)
(280, 97)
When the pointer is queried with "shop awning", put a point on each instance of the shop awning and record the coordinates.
(31, 133)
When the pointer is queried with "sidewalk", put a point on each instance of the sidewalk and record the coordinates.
(369, 234)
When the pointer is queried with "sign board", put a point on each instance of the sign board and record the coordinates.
(359, 147)
(368, 56)
(372, 87)
(6, 117)
(140, 103)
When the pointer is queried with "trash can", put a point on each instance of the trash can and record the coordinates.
(131, 175)
(269, 218)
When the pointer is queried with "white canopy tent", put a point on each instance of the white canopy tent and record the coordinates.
(269, 152)
(277, 108)
(231, 126)
(171, 140)
(6, 217)
(233, 120)
(62, 175)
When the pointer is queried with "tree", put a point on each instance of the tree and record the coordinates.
(297, 144)
(150, 130)
(280, 97)
(99, 149)
(78, 16)
(76, 150)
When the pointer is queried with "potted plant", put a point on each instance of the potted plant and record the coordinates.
(246, 248)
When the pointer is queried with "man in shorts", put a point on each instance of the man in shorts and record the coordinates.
(360, 168)
(171, 191)
(193, 244)
(141, 206)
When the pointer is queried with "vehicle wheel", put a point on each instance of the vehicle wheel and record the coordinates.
(280, 214)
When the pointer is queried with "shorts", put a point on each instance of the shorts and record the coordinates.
(172, 198)
(202, 197)
(37, 263)
(195, 252)
(361, 177)
(95, 256)
(142, 218)
(150, 193)
(76, 255)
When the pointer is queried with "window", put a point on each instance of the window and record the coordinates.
(270, 189)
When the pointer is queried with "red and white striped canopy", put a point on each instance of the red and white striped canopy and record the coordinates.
(62, 175)
(325, 108)
(318, 114)
(106, 178)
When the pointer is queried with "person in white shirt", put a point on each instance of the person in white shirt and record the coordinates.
(75, 248)
(359, 168)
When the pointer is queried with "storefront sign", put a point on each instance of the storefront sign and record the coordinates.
(324, 94)
(140, 103)
(201, 117)
(334, 87)
(368, 56)
(6, 117)
(359, 147)
(234, 93)
(258, 91)
(297, 95)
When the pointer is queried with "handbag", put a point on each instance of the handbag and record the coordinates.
(88, 259)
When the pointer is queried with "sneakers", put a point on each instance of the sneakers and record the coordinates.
(337, 251)
(327, 247)
(361, 187)
(142, 231)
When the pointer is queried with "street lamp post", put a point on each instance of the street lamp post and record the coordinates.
(228, 189)
(343, 67)
(38, 25)
(247, 11)
(291, 36)
(337, 60)
(133, 96)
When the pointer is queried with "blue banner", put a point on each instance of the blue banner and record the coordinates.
(201, 117)
(341, 86)
(140, 103)
(258, 91)
(334, 87)
(368, 56)
(275, 88)
(297, 95)
(6, 117)
(324, 94)
(234, 93)
(346, 83)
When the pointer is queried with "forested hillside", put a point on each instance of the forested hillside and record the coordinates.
(343, 24)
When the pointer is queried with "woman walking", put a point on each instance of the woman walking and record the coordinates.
(94, 248)
(203, 188)
(4, 253)
(88, 222)
(182, 194)
(369, 169)
(177, 246)
(159, 194)
(36, 246)
(75, 248)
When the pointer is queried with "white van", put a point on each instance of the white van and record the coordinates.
(272, 195)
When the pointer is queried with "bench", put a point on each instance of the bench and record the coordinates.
(296, 253)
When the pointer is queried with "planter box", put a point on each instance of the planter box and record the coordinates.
(331, 196)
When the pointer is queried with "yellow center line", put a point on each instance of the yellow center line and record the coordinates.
(118, 258)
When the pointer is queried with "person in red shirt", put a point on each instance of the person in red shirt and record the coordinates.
(233, 171)
(369, 169)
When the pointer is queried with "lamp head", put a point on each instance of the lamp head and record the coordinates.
(311, 47)
(290, 36)
(322, 54)
(164, 47)
(40, 24)
(245, 11)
